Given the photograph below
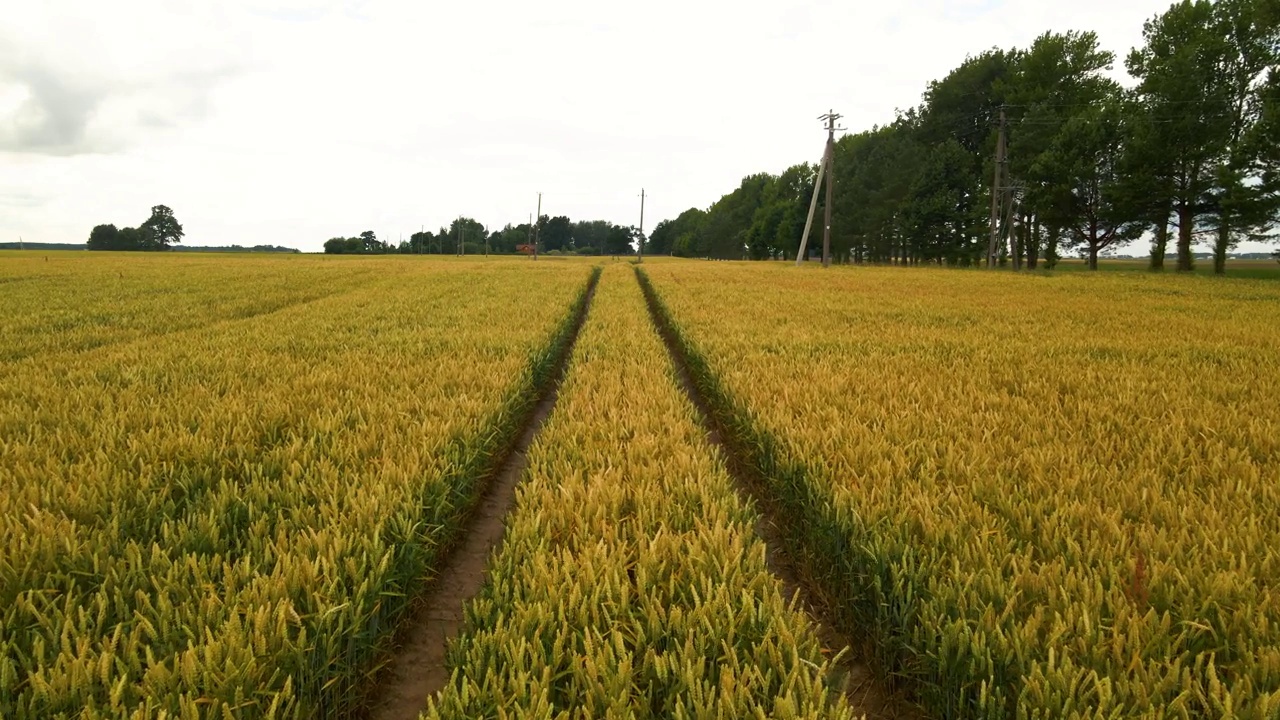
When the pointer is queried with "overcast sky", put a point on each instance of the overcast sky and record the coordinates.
(292, 121)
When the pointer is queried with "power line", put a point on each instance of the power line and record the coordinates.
(1104, 103)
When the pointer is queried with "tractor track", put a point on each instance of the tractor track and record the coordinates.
(417, 667)
(856, 680)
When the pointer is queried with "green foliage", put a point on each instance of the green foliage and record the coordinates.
(729, 218)
(104, 237)
(591, 234)
(160, 230)
(556, 233)
(133, 239)
(619, 240)
(681, 237)
(561, 234)
(1082, 190)
(1194, 148)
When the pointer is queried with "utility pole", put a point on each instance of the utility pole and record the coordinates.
(485, 229)
(536, 229)
(640, 257)
(997, 194)
(831, 117)
(461, 250)
(825, 167)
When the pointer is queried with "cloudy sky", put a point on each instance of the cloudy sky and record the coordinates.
(292, 121)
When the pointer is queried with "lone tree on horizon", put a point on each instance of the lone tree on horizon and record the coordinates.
(161, 229)
(157, 233)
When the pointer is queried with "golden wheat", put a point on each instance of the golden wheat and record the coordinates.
(630, 584)
(1041, 496)
(227, 519)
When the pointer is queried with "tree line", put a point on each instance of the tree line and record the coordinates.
(158, 232)
(1190, 153)
(554, 236)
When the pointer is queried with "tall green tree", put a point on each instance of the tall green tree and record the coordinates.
(506, 240)
(421, 243)
(962, 108)
(104, 237)
(470, 231)
(1054, 83)
(937, 219)
(778, 220)
(557, 233)
(160, 230)
(729, 218)
(1184, 125)
(1246, 197)
(369, 242)
(1085, 194)
(591, 236)
(684, 234)
(620, 240)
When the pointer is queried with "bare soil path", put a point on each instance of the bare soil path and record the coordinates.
(860, 685)
(417, 669)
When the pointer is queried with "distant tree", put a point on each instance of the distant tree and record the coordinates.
(557, 233)
(662, 239)
(104, 237)
(591, 234)
(340, 246)
(729, 218)
(160, 230)
(471, 231)
(506, 240)
(421, 243)
(132, 239)
(779, 219)
(619, 241)
(685, 233)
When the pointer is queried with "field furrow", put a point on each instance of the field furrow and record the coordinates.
(630, 582)
(1071, 519)
(234, 519)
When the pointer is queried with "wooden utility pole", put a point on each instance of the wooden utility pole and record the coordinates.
(825, 167)
(997, 195)
(537, 221)
(831, 118)
(640, 256)
(813, 206)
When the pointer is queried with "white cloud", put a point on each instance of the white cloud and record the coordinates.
(78, 77)
(290, 121)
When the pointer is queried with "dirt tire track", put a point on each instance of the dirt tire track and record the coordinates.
(855, 679)
(417, 668)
